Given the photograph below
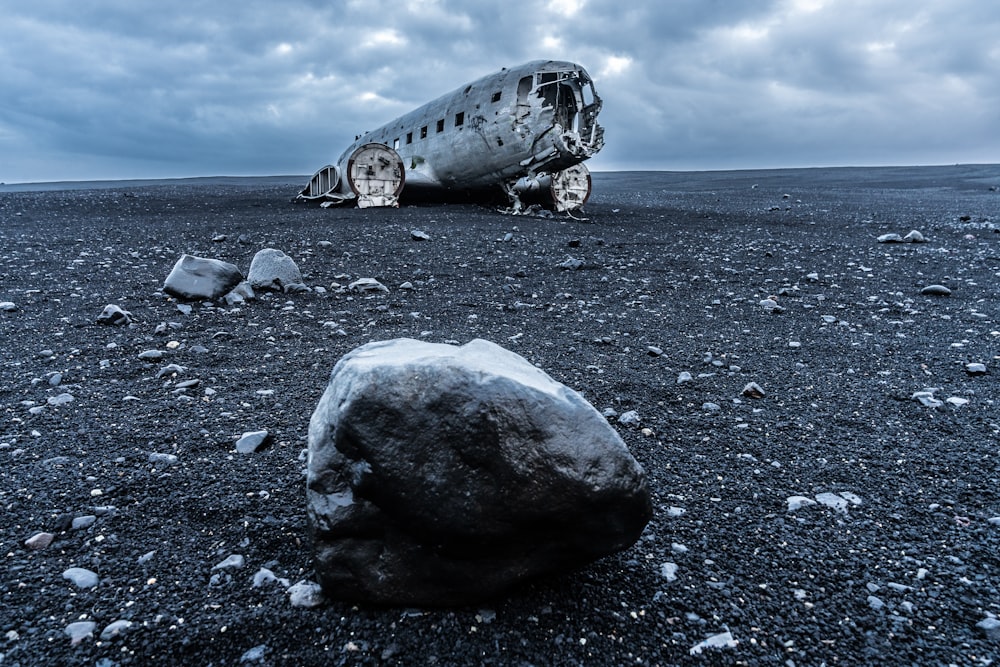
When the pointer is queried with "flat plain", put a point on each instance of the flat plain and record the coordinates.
(847, 516)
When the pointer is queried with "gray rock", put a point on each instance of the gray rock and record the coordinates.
(936, 290)
(233, 562)
(890, 238)
(115, 629)
(198, 278)
(39, 541)
(367, 285)
(305, 594)
(82, 522)
(570, 264)
(151, 355)
(80, 630)
(630, 418)
(990, 627)
(914, 237)
(114, 315)
(975, 369)
(418, 235)
(61, 399)
(441, 475)
(8, 306)
(274, 270)
(753, 390)
(252, 441)
(81, 577)
(239, 294)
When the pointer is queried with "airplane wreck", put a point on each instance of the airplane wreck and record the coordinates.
(523, 132)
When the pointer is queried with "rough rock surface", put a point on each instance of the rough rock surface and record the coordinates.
(201, 278)
(676, 260)
(273, 269)
(441, 474)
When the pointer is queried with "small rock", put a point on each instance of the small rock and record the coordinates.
(233, 562)
(753, 390)
(61, 399)
(418, 235)
(914, 237)
(367, 285)
(683, 377)
(306, 594)
(654, 351)
(81, 577)
(890, 238)
(115, 629)
(669, 571)
(721, 640)
(256, 654)
(39, 541)
(570, 264)
(113, 315)
(833, 501)
(252, 441)
(165, 460)
(265, 576)
(8, 306)
(990, 627)
(926, 398)
(711, 407)
(80, 630)
(975, 369)
(936, 290)
(875, 602)
(798, 502)
(82, 522)
(151, 355)
(630, 418)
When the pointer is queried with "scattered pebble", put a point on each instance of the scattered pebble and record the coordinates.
(39, 541)
(115, 629)
(798, 502)
(418, 235)
(81, 577)
(630, 418)
(936, 290)
(80, 630)
(305, 594)
(753, 390)
(252, 441)
(719, 641)
(669, 571)
(233, 562)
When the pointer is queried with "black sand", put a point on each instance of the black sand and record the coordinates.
(679, 261)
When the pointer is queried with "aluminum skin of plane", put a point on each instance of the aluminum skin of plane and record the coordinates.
(523, 131)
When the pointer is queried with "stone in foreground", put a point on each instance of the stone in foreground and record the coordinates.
(200, 278)
(443, 475)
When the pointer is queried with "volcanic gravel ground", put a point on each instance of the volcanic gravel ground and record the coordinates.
(901, 567)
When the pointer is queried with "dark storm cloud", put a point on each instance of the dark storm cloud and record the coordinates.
(178, 89)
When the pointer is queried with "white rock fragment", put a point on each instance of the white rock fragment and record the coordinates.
(669, 571)
(957, 401)
(914, 237)
(890, 238)
(306, 594)
(630, 418)
(720, 641)
(81, 577)
(852, 498)
(265, 576)
(367, 285)
(683, 377)
(833, 501)
(926, 398)
(115, 629)
(233, 562)
(975, 369)
(80, 630)
(798, 502)
(990, 627)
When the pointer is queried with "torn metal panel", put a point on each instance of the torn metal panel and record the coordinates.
(521, 132)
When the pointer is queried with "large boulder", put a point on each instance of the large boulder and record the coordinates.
(272, 269)
(440, 474)
(200, 278)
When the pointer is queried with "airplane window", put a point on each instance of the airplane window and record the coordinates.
(460, 119)
(440, 125)
(496, 97)
(423, 132)
(409, 137)
(395, 143)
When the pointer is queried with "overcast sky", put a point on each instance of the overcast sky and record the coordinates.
(120, 89)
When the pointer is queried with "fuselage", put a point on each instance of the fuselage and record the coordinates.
(533, 120)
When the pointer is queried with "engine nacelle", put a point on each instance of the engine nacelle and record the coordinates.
(376, 175)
